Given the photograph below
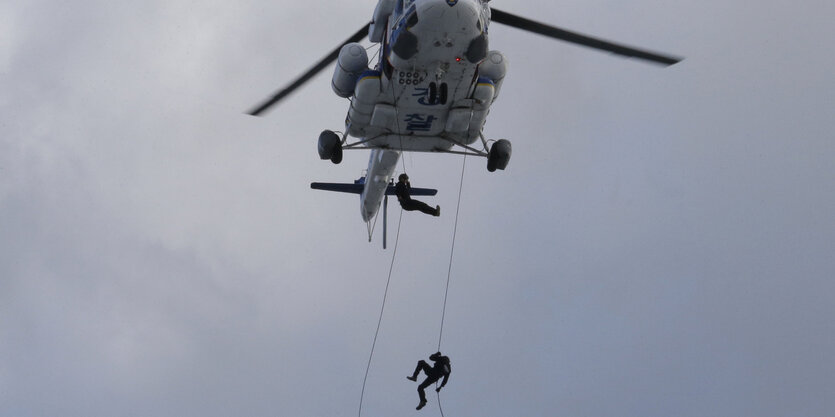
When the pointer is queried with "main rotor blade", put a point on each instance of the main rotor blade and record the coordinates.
(518, 22)
(310, 73)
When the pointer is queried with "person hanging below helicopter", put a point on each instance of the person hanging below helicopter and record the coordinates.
(403, 188)
(442, 368)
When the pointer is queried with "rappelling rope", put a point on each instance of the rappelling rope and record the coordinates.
(388, 281)
(382, 308)
(449, 271)
(452, 251)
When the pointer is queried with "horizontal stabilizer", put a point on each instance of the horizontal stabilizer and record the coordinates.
(356, 188)
(339, 187)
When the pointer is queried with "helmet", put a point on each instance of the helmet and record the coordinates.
(435, 356)
(403, 177)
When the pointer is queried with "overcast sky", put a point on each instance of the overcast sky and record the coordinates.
(660, 245)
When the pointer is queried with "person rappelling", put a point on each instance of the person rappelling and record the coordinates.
(441, 368)
(403, 190)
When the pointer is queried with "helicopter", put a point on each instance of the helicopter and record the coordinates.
(430, 89)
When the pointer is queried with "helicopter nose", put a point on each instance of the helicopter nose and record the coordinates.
(461, 16)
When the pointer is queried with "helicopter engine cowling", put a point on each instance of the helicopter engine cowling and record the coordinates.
(353, 61)
(494, 68)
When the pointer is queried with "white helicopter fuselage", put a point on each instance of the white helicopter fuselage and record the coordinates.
(430, 90)
(381, 166)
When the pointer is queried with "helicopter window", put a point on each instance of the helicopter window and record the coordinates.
(412, 20)
(402, 5)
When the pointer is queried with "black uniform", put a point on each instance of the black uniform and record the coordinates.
(403, 190)
(441, 368)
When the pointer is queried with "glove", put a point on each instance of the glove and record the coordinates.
(438, 389)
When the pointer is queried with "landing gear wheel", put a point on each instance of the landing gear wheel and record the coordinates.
(337, 154)
(499, 155)
(330, 146)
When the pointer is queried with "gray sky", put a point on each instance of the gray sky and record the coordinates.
(660, 245)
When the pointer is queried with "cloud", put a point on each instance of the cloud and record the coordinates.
(8, 38)
(658, 245)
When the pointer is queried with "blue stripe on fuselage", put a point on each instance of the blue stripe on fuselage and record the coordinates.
(485, 80)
